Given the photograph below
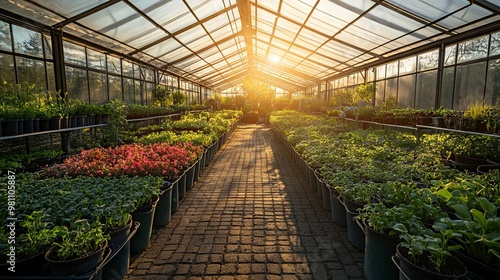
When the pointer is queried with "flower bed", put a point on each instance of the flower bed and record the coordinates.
(159, 159)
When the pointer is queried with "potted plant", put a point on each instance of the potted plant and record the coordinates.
(475, 117)
(32, 242)
(477, 231)
(78, 250)
(427, 255)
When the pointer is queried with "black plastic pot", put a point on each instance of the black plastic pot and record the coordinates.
(44, 124)
(175, 193)
(55, 123)
(28, 267)
(379, 249)
(73, 121)
(119, 261)
(355, 233)
(189, 178)
(337, 208)
(78, 266)
(411, 271)
(163, 210)
(36, 125)
(144, 216)
(20, 127)
(28, 126)
(10, 127)
(475, 267)
(81, 120)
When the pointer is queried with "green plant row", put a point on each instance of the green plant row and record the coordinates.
(71, 214)
(408, 190)
(199, 128)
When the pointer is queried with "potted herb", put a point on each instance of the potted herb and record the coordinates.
(79, 249)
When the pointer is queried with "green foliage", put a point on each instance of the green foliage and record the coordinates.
(80, 240)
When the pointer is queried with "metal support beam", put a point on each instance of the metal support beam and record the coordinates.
(58, 53)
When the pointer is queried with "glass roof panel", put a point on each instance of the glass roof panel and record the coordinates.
(230, 47)
(70, 8)
(286, 30)
(280, 43)
(298, 10)
(338, 51)
(464, 17)
(119, 21)
(163, 48)
(203, 8)
(270, 4)
(220, 27)
(176, 54)
(325, 21)
(310, 39)
(193, 34)
(172, 15)
(213, 58)
(431, 9)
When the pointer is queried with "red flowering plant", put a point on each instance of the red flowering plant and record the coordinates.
(159, 159)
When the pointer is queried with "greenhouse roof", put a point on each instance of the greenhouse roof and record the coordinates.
(289, 44)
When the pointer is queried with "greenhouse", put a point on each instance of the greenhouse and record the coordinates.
(250, 139)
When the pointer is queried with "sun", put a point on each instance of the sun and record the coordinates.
(274, 59)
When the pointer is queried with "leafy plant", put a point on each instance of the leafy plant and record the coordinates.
(82, 239)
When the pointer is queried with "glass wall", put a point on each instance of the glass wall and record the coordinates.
(471, 73)
(91, 75)
(25, 57)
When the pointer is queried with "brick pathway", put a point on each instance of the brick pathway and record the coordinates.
(250, 216)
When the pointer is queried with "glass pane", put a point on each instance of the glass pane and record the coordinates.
(27, 41)
(74, 54)
(137, 72)
(115, 87)
(469, 86)
(428, 60)
(426, 90)
(147, 74)
(492, 85)
(7, 69)
(407, 65)
(203, 8)
(463, 17)
(391, 88)
(447, 87)
(450, 55)
(128, 69)
(380, 93)
(51, 79)
(495, 44)
(47, 44)
(392, 69)
(128, 91)
(98, 88)
(5, 39)
(406, 91)
(96, 60)
(76, 80)
(149, 93)
(137, 92)
(473, 49)
(381, 72)
(70, 8)
(31, 71)
(114, 65)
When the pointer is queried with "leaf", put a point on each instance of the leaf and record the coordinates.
(400, 227)
(486, 205)
(479, 217)
(462, 211)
